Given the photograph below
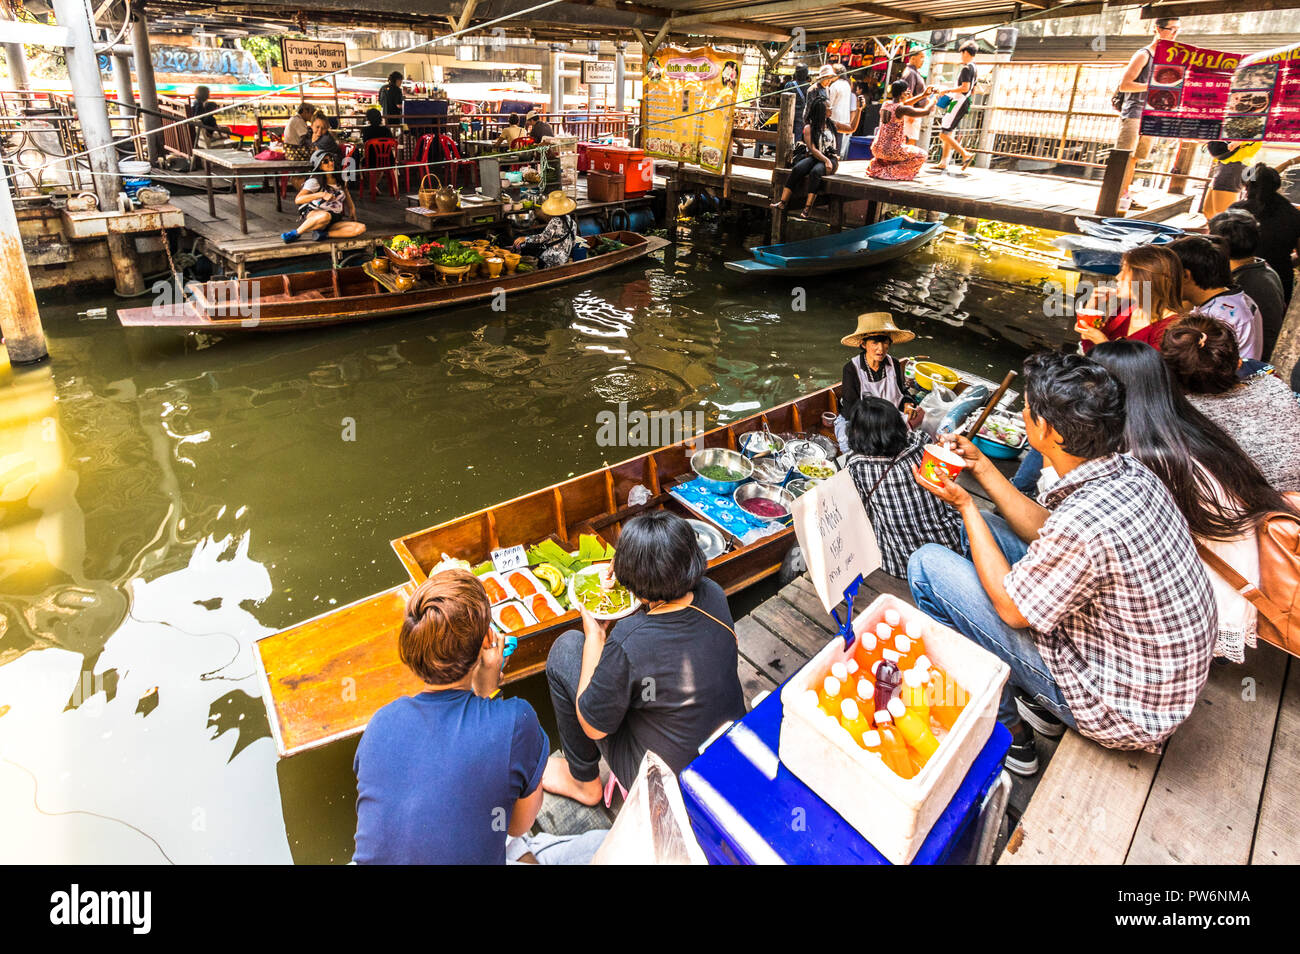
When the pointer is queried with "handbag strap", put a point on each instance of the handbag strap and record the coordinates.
(885, 473)
(716, 620)
(1272, 612)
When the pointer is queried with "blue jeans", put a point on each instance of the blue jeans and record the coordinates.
(1026, 478)
(948, 588)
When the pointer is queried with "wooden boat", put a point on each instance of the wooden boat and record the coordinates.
(290, 302)
(857, 248)
(322, 679)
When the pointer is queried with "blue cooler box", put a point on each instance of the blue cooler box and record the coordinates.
(741, 815)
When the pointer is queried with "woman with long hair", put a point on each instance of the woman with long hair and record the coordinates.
(1260, 411)
(1216, 486)
(815, 155)
(893, 158)
(1148, 298)
(1279, 221)
(324, 204)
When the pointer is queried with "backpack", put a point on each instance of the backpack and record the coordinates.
(1278, 595)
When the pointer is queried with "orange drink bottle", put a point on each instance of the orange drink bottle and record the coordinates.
(894, 620)
(908, 650)
(841, 672)
(915, 631)
(867, 651)
(915, 693)
(892, 748)
(947, 698)
(829, 697)
(854, 722)
(854, 670)
(865, 692)
(884, 637)
(871, 742)
(915, 730)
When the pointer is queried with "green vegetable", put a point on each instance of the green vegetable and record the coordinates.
(718, 472)
(599, 600)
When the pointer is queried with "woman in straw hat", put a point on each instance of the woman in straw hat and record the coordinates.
(872, 372)
(554, 244)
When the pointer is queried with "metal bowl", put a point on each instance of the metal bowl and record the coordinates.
(720, 456)
(798, 486)
(711, 542)
(817, 461)
(776, 444)
(768, 471)
(775, 494)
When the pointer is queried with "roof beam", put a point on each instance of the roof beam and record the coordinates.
(757, 10)
(880, 10)
(977, 20)
(1152, 11)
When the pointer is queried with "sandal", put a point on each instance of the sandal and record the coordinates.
(965, 163)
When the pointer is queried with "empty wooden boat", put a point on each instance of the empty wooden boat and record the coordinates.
(293, 301)
(324, 678)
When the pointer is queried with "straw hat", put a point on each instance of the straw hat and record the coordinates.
(876, 323)
(557, 203)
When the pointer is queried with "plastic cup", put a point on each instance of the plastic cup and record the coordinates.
(938, 459)
(828, 419)
(1089, 317)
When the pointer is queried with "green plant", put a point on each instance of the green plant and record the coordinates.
(455, 254)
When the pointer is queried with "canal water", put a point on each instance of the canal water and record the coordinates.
(167, 499)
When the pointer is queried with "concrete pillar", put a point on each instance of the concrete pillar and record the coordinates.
(620, 74)
(20, 321)
(147, 84)
(557, 81)
(92, 115)
(17, 60)
(122, 79)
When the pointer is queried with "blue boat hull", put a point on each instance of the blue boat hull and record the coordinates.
(857, 248)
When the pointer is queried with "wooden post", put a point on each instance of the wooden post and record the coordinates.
(781, 163)
(1069, 112)
(671, 201)
(20, 321)
(1182, 165)
(1286, 353)
(1112, 182)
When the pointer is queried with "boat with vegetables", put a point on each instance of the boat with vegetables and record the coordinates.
(322, 679)
(409, 276)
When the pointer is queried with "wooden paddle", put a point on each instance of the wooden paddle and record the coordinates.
(993, 402)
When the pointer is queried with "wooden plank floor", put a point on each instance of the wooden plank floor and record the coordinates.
(1021, 198)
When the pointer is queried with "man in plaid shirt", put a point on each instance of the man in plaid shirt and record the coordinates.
(1098, 601)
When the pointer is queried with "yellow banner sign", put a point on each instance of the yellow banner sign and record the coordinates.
(690, 96)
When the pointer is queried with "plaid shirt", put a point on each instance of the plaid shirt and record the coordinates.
(1119, 604)
(904, 516)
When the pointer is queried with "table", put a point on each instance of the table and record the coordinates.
(742, 815)
(425, 219)
(239, 164)
(478, 147)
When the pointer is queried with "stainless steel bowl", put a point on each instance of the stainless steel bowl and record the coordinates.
(709, 538)
(721, 457)
(775, 494)
(768, 471)
(798, 486)
(770, 444)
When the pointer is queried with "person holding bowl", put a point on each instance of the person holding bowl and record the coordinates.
(662, 679)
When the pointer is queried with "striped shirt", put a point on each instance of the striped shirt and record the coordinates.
(1119, 603)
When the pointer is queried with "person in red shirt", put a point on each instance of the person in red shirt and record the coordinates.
(1147, 299)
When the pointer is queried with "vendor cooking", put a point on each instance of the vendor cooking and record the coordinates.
(873, 372)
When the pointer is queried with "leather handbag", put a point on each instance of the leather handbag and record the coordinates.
(1278, 595)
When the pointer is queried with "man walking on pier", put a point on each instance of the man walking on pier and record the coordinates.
(1133, 87)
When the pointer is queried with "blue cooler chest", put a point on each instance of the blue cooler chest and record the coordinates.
(742, 816)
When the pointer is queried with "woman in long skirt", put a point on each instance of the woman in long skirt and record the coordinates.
(894, 158)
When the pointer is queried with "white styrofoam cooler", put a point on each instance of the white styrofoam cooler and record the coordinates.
(893, 813)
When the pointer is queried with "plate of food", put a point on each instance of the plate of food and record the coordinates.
(588, 591)
(1167, 75)
(1249, 101)
(1254, 76)
(1244, 127)
(1162, 99)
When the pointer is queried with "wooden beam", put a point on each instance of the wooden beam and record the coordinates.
(774, 58)
(880, 10)
(468, 11)
(756, 10)
(973, 20)
(1212, 8)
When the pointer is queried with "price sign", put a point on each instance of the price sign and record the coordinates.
(509, 558)
(312, 56)
(836, 536)
(597, 72)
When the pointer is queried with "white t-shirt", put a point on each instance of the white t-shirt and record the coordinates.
(1239, 312)
(839, 102)
(333, 204)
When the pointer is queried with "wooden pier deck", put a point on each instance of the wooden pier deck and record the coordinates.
(1020, 198)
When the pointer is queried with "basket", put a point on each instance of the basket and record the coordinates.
(427, 196)
(407, 264)
(296, 152)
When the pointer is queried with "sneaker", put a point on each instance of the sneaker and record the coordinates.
(290, 236)
(1040, 718)
(1022, 757)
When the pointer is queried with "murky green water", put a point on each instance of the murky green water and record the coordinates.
(165, 500)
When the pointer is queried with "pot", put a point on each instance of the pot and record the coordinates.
(494, 266)
(379, 263)
(404, 281)
(511, 260)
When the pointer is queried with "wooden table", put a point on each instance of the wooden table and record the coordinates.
(425, 219)
(478, 147)
(239, 164)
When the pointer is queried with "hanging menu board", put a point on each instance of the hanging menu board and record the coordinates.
(690, 97)
(1195, 93)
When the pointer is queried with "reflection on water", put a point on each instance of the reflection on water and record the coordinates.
(167, 499)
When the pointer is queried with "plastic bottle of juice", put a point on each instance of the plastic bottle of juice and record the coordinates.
(865, 692)
(888, 679)
(915, 731)
(854, 670)
(854, 722)
(947, 698)
(915, 693)
(841, 672)
(867, 651)
(829, 697)
(894, 620)
(892, 748)
(884, 637)
(871, 742)
(915, 630)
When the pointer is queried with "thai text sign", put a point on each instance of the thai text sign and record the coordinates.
(312, 56)
(836, 537)
(597, 72)
(1195, 93)
(690, 96)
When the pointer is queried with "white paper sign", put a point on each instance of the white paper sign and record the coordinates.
(509, 558)
(836, 536)
(597, 72)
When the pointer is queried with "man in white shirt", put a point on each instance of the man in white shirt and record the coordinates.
(297, 132)
(840, 107)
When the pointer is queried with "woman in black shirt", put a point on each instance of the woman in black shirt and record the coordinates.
(1279, 221)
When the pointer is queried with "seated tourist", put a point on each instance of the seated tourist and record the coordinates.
(661, 680)
(322, 138)
(893, 158)
(297, 131)
(1217, 488)
(1259, 412)
(1250, 273)
(1208, 290)
(1097, 601)
(447, 775)
(1148, 298)
(553, 245)
(374, 127)
(324, 204)
(883, 454)
(511, 132)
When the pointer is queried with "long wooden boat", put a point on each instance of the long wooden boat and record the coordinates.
(290, 302)
(324, 678)
(856, 248)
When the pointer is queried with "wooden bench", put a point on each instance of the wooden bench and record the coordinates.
(1224, 791)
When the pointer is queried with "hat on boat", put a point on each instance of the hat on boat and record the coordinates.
(876, 323)
(557, 203)
(825, 71)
